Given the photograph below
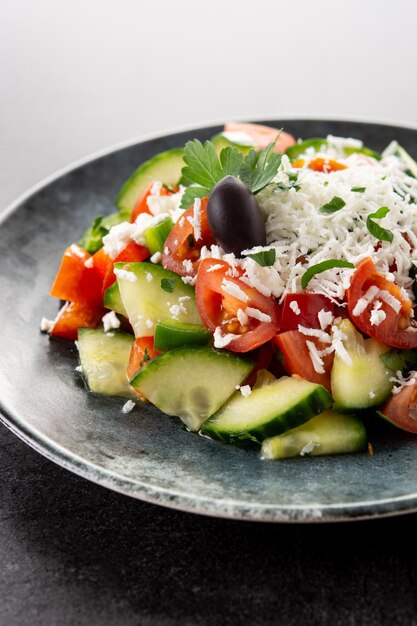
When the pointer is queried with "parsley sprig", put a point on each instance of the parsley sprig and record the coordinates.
(205, 168)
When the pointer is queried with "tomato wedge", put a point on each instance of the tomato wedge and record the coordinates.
(142, 351)
(297, 360)
(262, 135)
(182, 251)
(222, 297)
(401, 409)
(77, 279)
(398, 329)
(73, 316)
(303, 309)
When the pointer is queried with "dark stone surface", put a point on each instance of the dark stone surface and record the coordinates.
(74, 553)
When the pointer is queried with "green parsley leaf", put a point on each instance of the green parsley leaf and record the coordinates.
(334, 205)
(322, 267)
(231, 161)
(168, 284)
(265, 258)
(191, 193)
(259, 168)
(292, 183)
(92, 240)
(377, 231)
(399, 360)
(358, 189)
(203, 163)
(146, 357)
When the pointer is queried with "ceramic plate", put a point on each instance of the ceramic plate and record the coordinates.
(146, 454)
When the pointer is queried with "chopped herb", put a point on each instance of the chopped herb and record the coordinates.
(146, 357)
(92, 240)
(358, 189)
(322, 267)
(292, 183)
(326, 182)
(169, 188)
(265, 258)
(191, 241)
(334, 205)
(399, 360)
(168, 284)
(204, 168)
(375, 229)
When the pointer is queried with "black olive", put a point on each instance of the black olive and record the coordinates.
(235, 217)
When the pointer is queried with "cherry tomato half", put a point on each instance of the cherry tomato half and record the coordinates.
(397, 330)
(401, 409)
(220, 296)
(182, 251)
(303, 309)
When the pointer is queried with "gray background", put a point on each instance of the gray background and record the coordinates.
(77, 76)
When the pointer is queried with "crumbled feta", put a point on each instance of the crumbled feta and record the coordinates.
(89, 263)
(401, 381)
(366, 299)
(221, 340)
(128, 406)
(242, 318)
(125, 275)
(325, 318)
(149, 277)
(315, 332)
(79, 369)
(189, 280)
(315, 357)
(258, 315)
(110, 320)
(188, 265)
(149, 323)
(377, 316)
(234, 290)
(371, 394)
(156, 257)
(245, 390)
(213, 268)
(46, 325)
(197, 218)
(77, 251)
(309, 447)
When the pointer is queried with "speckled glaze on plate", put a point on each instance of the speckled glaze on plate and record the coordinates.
(146, 454)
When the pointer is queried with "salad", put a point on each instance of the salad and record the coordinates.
(257, 287)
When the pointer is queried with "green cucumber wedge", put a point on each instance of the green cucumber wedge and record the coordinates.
(223, 140)
(269, 410)
(150, 293)
(366, 381)
(104, 359)
(318, 144)
(394, 148)
(192, 382)
(327, 433)
(113, 299)
(165, 167)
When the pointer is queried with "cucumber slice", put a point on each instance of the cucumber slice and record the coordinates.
(113, 299)
(165, 167)
(366, 382)
(327, 433)
(224, 140)
(269, 410)
(191, 383)
(104, 359)
(171, 334)
(394, 148)
(155, 235)
(147, 302)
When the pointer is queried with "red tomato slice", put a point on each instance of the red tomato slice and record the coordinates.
(401, 409)
(73, 316)
(309, 306)
(142, 352)
(262, 135)
(77, 279)
(181, 246)
(131, 253)
(217, 307)
(397, 330)
(141, 205)
(293, 346)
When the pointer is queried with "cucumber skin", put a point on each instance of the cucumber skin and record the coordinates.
(170, 334)
(136, 183)
(113, 300)
(317, 401)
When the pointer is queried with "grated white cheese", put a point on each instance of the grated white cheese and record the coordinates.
(234, 290)
(315, 332)
(242, 318)
(221, 340)
(89, 263)
(387, 297)
(188, 265)
(149, 277)
(294, 307)
(315, 357)
(366, 299)
(110, 321)
(400, 381)
(309, 447)
(214, 267)
(325, 318)
(338, 347)
(258, 315)
(77, 251)
(197, 218)
(377, 316)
